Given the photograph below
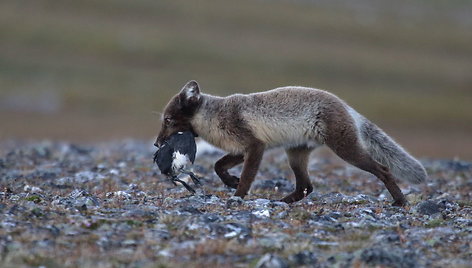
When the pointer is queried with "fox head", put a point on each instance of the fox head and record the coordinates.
(179, 111)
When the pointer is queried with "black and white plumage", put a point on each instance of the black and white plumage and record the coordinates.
(175, 155)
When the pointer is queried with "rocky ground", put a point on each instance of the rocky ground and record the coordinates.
(106, 205)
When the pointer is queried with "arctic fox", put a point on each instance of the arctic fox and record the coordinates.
(296, 118)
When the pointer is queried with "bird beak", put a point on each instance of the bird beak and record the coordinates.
(158, 143)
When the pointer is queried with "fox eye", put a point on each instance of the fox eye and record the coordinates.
(167, 120)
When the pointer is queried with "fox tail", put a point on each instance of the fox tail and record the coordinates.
(386, 151)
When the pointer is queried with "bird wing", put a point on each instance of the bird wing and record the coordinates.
(184, 142)
(163, 158)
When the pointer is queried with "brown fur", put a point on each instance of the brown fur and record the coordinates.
(296, 118)
(224, 164)
(298, 160)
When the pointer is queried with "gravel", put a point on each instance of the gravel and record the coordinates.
(107, 205)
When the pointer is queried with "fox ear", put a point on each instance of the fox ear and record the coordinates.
(190, 93)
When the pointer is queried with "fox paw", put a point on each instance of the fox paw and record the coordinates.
(297, 195)
(400, 203)
(293, 197)
(231, 181)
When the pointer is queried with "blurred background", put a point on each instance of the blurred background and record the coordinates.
(95, 70)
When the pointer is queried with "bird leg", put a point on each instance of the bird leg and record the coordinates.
(173, 179)
(194, 177)
(190, 189)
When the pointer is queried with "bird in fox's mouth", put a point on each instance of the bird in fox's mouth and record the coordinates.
(174, 156)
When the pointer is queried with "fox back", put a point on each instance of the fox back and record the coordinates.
(287, 117)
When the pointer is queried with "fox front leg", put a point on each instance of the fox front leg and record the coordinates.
(252, 160)
(227, 162)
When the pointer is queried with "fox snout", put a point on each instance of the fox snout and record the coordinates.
(159, 141)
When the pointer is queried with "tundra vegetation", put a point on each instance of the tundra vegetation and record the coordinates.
(107, 205)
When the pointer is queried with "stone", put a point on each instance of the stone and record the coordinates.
(389, 257)
(304, 258)
(427, 208)
(234, 201)
(271, 261)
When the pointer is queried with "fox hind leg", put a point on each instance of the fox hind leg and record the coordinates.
(298, 159)
(383, 173)
(352, 152)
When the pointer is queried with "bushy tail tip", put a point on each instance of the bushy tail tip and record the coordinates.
(386, 151)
